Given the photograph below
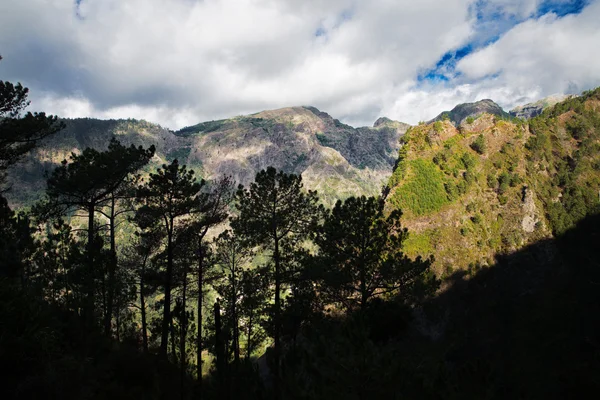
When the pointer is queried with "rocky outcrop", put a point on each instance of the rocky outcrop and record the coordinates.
(530, 212)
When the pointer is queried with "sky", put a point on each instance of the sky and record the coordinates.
(180, 62)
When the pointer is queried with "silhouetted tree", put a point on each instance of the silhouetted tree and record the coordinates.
(16, 243)
(56, 263)
(361, 253)
(214, 206)
(273, 212)
(121, 202)
(255, 294)
(20, 133)
(87, 183)
(232, 256)
(139, 260)
(170, 197)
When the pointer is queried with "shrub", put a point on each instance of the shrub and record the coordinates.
(515, 180)
(503, 182)
(469, 177)
(451, 191)
(462, 187)
(468, 161)
(479, 144)
(491, 181)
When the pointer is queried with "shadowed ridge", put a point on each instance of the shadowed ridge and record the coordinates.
(526, 327)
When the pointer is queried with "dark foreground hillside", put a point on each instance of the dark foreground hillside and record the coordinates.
(527, 327)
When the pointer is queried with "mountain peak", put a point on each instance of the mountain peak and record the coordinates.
(465, 110)
(382, 121)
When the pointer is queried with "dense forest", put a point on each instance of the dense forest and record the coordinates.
(124, 284)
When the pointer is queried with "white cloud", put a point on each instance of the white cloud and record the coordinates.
(541, 57)
(184, 61)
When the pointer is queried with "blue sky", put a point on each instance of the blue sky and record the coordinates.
(491, 22)
(184, 61)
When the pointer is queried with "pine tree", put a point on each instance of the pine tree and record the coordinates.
(360, 254)
(140, 261)
(255, 294)
(275, 213)
(170, 197)
(232, 256)
(20, 133)
(214, 207)
(88, 182)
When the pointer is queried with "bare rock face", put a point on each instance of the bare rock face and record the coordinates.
(530, 218)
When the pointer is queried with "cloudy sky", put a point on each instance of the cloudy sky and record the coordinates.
(179, 62)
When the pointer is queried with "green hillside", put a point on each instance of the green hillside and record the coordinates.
(491, 186)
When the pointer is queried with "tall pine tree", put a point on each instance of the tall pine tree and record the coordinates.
(276, 213)
(88, 182)
(170, 196)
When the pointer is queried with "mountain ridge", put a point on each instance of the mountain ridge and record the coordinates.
(533, 109)
(334, 158)
(488, 185)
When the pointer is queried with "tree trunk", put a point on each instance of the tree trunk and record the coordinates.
(277, 345)
(364, 296)
(103, 288)
(112, 268)
(219, 350)
(249, 345)
(143, 310)
(200, 298)
(118, 321)
(173, 346)
(183, 331)
(164, 339)
(89, 302)
(236, 329)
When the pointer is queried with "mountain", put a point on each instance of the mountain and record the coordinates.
(462, 112)
(468, 190)
(531, 110)
(493, 186)
(333, 158)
